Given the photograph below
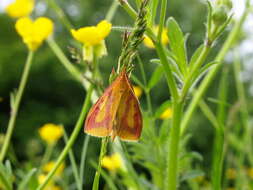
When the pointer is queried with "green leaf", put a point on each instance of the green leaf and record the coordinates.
(162, 108)
(26, 179)
(107, 178)
(5, 179)
(177, 44)
(156, 76)
(196, 55)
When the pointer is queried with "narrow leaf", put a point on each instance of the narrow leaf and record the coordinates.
(177, 43)
(156, 76)
(26, 179)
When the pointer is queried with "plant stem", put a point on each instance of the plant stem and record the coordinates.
(174, 140)
(73, 162)
(47, 154)
(132, 13)
(98, 172)
(72, 139)
(64, 60)
(218, 149)
(147, 93)
(209, 78)
(15, 106)
(197, 65)
(162, 19)
(60, 13)
(83, 157)
(169, 76)
(112, 10)
(218, 155)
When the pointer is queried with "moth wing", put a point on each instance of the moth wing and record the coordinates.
(129, 119)
(99, 121)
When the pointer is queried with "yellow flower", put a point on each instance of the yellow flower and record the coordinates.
(49, 166)
(112, 162)
(50, 185)
(250, 172)
(51, 133)
(231, 173)
(137, 91)
(92, 38)
(20, 8)
(34, 32)
(149, 43)
(167, 114)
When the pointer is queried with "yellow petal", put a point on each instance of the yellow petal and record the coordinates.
(92, 35)
(20, 8)
(167, 114)
(112, 162)
(34, 33)
(148, 42)
(104, 28)
(24, 26)
(43, 27)
(137, 91)
(50, 133)
(164, 38)
(49, 166)
(87, 35)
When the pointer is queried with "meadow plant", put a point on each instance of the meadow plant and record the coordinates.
(161, 159)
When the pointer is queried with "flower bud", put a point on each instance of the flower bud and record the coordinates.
(219, 15)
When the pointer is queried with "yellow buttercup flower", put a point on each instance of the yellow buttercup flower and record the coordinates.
(167, 114)
(50, 185)
(112, 162)
(20, 8)
(250, 172)
(51, 133)
(34, 32)
(231, 173)
(92, 38)
(137, 91)
(49, 166)
(149, 43)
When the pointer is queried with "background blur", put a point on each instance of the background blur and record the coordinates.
(53, 96)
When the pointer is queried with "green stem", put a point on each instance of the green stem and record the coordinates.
(47, 154)
(218, 149)
(162, 19)
(169, 76)
(144, 78)
(212, 73)
(98, 172)
(60, 13)
(112, 10)
(73, 162)
(71, 141)
(132, 13)
(15, 106)
(83, 157)
(218, 156)
(246, 136)
(64, 60)
(173, 153)
(196, 66)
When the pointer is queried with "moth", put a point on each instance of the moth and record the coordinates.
(116, 113)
